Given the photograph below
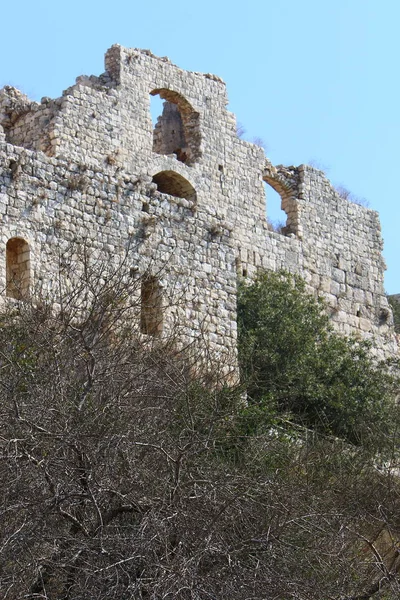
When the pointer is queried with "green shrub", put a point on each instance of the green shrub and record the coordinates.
(295, 364)
(395, 306)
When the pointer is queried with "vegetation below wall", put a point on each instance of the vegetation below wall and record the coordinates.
(124, 476)
(295, 364)
(395, 305)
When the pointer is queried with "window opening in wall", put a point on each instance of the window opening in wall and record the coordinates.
(176, 126)
(151, 316)
(276, 217)
(169, 182)
(156, 108)
(17, 269)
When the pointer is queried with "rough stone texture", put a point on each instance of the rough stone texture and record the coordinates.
(187, 199)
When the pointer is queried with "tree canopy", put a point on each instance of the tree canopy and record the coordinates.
(294, 363)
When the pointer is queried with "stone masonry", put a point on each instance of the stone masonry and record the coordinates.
(185, 200)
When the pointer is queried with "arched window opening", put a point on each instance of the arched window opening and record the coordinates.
(17, 269)
(276, 216)
(156, 108)
(176, 129)
(151, 315)
(280, 194)
(169, 182)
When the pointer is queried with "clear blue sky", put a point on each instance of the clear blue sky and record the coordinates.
(317, 80)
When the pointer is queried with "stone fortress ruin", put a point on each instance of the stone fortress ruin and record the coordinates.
(187, 198)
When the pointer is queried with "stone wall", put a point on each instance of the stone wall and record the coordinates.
(185, 201)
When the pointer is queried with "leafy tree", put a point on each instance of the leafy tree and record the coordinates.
(395, 305)
(294, 363)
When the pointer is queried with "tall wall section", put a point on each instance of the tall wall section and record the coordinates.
(185, 200)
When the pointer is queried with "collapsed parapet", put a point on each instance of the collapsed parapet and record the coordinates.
(13, 105)
(25, 123)
(43, 126)
(91, 165)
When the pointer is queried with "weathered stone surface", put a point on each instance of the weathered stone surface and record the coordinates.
(187, 199)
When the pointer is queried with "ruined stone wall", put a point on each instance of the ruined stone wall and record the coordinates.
(52, 204)
(335, 245)
(25, 123)
(88, 166)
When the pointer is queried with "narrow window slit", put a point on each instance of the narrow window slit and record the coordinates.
(17, 269)
(151, 315)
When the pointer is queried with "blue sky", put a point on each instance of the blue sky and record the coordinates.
(316, 80)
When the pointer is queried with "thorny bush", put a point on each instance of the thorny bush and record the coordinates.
(125, 477)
